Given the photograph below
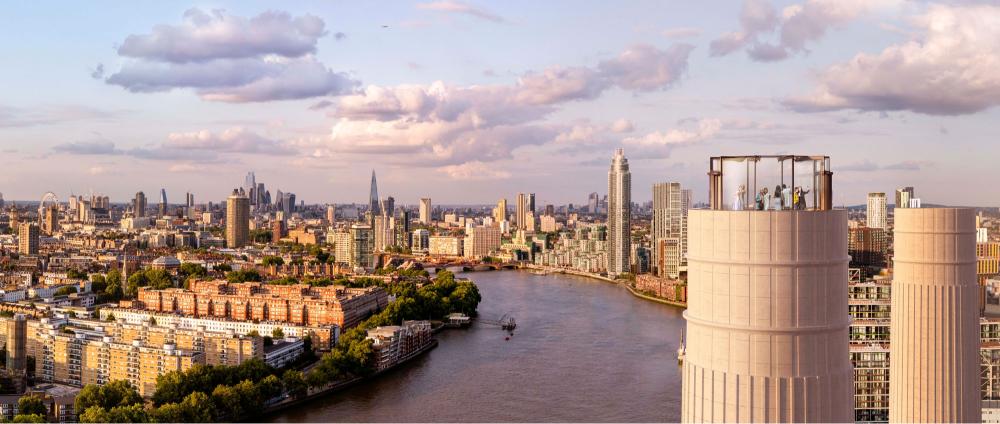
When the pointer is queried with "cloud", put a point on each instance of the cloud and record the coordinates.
(94, 147)
(182, 167)
(796, 26)
(645, 68)
(622, 126)
(474, 170)
(704, 129)
(340, 36)
(863, 166)
(452, 6)
(233, 140)
(199, 146)
(237, 81)
(320, 105)
(98, 72)
(227, 58)
(869, 166)
(12, 117)
(97, 170)
(205, 36)
(682, 32)
(449, 125)
(950, 69)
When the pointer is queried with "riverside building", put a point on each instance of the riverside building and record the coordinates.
(298, 303)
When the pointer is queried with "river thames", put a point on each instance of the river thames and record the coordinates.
(584, 350)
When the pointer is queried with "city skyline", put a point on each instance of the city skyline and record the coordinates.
(189, 98)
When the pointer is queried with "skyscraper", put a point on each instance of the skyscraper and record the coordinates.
(139, 205)
(500, 211)
(27, 238)
(250, 186)
(17, 344)
(531, 202)
(331, 214)
(903, 196)
(619, 214)
(934, 331)
(767, 322)
(387, 206)
(593, 203)
(521, 210)
(373, 204)
(425, 211)
(668, 216)
(163, 202)
(237, 219)
(876, 212)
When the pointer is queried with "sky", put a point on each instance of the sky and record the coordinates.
(468, 102)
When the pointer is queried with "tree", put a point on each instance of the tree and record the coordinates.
(108, 396)
(28, 418)
(295, 382)
(189, 269)
(243, 275)
(65, 291)
(223, 268)
(270, 387)
(278, 333)
(272, 260)
(129, 414)
(76, 274)
(94, 414)
(32, 404)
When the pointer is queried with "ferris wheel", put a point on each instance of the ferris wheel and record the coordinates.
(48, 199)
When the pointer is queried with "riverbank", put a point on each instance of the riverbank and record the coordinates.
(631, 290)
(339, 386)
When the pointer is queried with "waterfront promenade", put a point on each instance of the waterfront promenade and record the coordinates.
(622, 283)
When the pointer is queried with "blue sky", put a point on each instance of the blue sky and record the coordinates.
(466, 102)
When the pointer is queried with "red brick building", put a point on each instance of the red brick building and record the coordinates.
(297, 304)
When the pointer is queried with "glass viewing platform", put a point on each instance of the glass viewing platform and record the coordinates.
(770, 183)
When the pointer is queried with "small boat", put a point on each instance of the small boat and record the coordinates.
(681, 350)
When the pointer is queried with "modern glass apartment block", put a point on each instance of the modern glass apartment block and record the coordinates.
(767, 321)
(868, 304)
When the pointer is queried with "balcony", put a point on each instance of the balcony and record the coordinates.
(773, 183)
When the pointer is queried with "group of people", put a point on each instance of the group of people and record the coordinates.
(784, 197)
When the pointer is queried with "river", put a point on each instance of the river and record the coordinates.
(584, 350)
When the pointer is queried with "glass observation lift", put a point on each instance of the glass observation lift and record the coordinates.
(770, 183)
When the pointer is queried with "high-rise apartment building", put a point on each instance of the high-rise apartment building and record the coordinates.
(903, 197)
(500, 211)
(139, 205)
(27, 238)
(521, 211)
(17, 344)
(361, 248)
(668, 223)
(935, 333)
(767, 328)
(163, 203)
(384, 235)
(420, 240)
(237, 219)
(425, 211)
(482, 241)
(331, 214)
(619, 214)
(876, 215)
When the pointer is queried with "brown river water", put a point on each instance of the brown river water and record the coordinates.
(583, 350)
